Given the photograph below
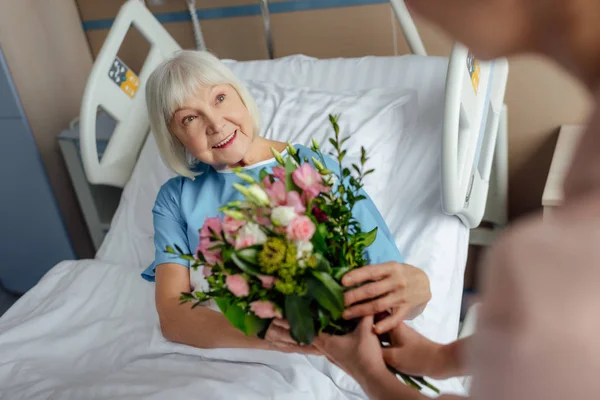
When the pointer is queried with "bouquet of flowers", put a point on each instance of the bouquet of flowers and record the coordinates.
(282, 252)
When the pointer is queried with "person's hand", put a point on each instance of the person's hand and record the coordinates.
(389, 286)
(496, 28)
(358, 353)
(414, 354)
(279, 339)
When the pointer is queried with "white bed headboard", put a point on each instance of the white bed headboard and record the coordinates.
(474, 99)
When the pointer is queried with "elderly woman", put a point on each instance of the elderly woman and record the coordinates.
(206, 123)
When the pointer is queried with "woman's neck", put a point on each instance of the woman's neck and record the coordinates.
(260, 150)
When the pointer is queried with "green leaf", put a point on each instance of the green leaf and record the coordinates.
(263, 174)
(318, 239)
(369, 172)
(169, 250)
(244, 266)
(227, 253)
(340, 272)
(323, 320)
(187, 257)
(249, 254)
(289, 182)
(359, 198)
(370, 237)
(327, 292)
(346, 172)
(179, 249)
(363, 155)
(300, 317)
(333, 143)
(253, 324)
(234, 314)
(323, 264)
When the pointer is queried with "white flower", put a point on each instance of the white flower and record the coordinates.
(258, 195)
(249, 235)
(330, 179)
(283, 215)
(304, 249)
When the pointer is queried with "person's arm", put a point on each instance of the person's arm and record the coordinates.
(414, 354)
(205, 328)
(382, 385)
(199, 327)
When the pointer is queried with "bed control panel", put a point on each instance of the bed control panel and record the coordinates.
(124, 77)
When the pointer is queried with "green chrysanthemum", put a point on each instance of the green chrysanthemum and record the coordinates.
(272, 256)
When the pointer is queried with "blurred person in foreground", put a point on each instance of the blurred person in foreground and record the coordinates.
(537, 331)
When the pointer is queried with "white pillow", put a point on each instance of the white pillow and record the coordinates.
(381, 120)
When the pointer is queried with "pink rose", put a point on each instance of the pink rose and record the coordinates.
(279, 173)
(211, 223)
(277, 194)
(301, 228)
(307, 178)
(211, 256)
(265, 310)
(267, 281)
(232, 225)
(294, 200)
(237, 285)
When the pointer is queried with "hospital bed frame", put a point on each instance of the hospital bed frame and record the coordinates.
(474, 156)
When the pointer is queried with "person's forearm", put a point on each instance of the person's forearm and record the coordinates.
(204, 328)
(453, 363)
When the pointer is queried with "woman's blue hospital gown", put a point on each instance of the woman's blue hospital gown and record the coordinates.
(183, 204)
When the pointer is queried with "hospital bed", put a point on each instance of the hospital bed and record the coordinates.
(435, 128)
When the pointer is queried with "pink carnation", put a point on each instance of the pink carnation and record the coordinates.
(267, 182)
(267, 281)
(277, 194)
(294, 200)
(237, 285)
(279, 173)
(301, 228)
(211, 256)
(211, 223)
(232, 225)
(307, 178)
(265, 310)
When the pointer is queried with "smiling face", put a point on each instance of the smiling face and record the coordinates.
(214, 125)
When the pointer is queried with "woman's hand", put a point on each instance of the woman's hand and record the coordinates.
(416, 355)
(402, 288)
(358, 353)
(279, 339)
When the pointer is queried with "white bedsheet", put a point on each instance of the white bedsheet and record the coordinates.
(74, 337)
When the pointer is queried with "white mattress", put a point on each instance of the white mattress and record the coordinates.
(89, 329)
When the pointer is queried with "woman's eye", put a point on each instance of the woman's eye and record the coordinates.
(220, 98)
(188, 119)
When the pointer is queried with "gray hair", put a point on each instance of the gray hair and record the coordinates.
(176, 80)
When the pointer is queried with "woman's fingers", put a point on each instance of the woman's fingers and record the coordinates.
(369, 291)
(367, 274)
(381, 304)
(282, 323)
(389, 323)
(279, 334)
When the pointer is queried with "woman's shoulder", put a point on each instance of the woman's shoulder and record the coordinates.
(173, 188)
